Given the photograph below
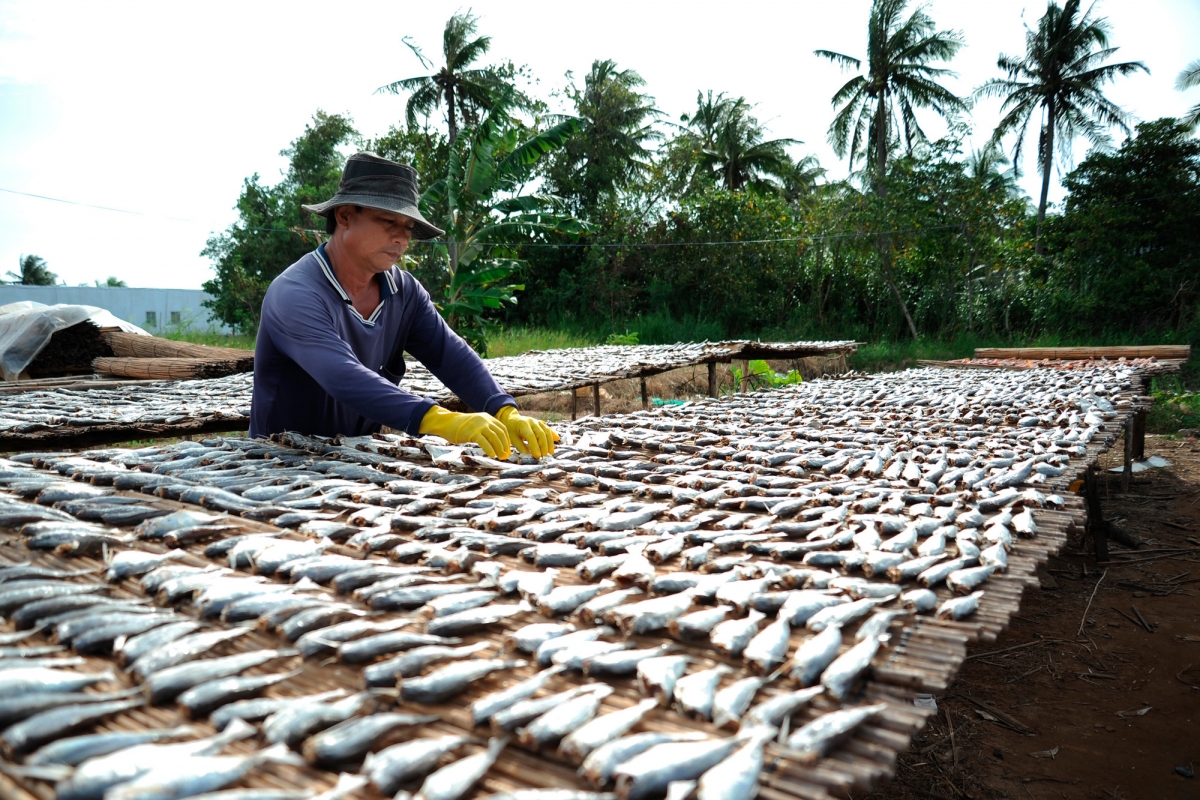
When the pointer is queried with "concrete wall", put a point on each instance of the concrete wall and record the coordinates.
(171, 308)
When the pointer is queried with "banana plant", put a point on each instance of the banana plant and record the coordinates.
(490, 215)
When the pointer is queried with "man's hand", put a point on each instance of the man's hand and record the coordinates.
(530, 436)
(482, 429)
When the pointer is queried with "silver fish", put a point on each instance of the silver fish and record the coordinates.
(413, 662)
(648, 773)
(195, 776)
(394, 766)
(730, 703)
(801, 605)
(292, 724)
(651, 615)
(53, 724)
(959, 607)
(657, 676)
(994, 556)
(525, 711)
(565, 599)
(938, 572)
(839, 676)
(578, 655)
(448, 681)
(169, 683)
(877, 625)
(698, 624)
(694, 693)
(325, 641)
(182, 650)
(593, 610)
(74, 750)
(814, 655)
(598, 767)
(455, 780)
(736, 777)
(357, 651)
(771, 712)
(351, 739)
(204, 698)
(920, 600)
(474, 619)
(545, 652)
(28, 680)
(841, 615)
(768, 649)
(552, 794)
(129, 648)
(488, 706)
(558, 722)
(964, 581)
(733, 635)
(528, 638)
(262, 707)
(583, 740)
(911, 569)
(137, 562)
(814, 740)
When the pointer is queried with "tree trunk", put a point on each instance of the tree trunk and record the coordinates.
(1048, 162)
(884, 242)
(453, 123)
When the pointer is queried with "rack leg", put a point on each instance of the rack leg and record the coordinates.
(1139, 436)
(1095, 517)
(712, 379)
(745, 374)
(645, 395)
(1127, 473)
(596, 399)
(574, 404)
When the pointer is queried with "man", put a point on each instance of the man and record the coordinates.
(335, 326)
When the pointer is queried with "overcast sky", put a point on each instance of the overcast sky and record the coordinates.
(163, 108)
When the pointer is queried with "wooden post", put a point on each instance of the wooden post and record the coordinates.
(574, 404)
(1127, 473)
(1095, 517)
(645, 395)
(712, 379)
(596, 399)
(745, 374)
(1139, 435)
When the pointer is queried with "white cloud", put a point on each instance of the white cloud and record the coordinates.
(164, 108)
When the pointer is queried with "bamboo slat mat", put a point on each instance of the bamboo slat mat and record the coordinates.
(922, 655)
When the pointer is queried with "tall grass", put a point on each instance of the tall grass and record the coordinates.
(514, 341)
(243, 341)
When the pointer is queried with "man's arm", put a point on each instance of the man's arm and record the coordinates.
(446, 355)
(302, 328)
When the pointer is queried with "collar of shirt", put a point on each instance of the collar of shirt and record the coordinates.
(388, 287)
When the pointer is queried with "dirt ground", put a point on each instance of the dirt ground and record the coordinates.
(1048, 711)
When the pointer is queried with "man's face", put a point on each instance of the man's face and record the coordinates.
(372, 238)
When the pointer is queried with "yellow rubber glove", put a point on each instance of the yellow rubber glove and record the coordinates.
(530, 436)
(482, 429)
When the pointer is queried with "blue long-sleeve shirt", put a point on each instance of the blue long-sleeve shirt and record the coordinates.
(321, 368)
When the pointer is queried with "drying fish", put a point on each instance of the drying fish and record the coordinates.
(920, 600)
(262, 707)
(370, 647)
(839, 676)
(47, 726)
(964, 581)
(938, 572)
(169, 683)
(600, 566)
(350, 740)
(566, 599)
(161, 526)
(137, 562)
(657, 676)
(74, 750)
(28, 680)
(698, 624)
(621, 662)
(448, 681)
(525, 711)
(204, 698)
(530, 637)
(735, 777)
(454, 780)
(801, 605)
(413, 662)
(474, 619)
(771, 712)
(578, 655)
(877, 625)
(179, 651)
(648, 773)
(730, 703)
(18, 707)
(694, 693)
(551, 794)
(292, 724)
(27, 592)
(995, 556)
(768, 649)
(558, 722)
(194, 776)
(959, 607)
(546, 651)
(580, 742)
(110, 627)
(841, 615)
(733, 635)
(912, 568)
(599, 766)
(651, 615)
(488, 706)
(818, 737)
(396, 765)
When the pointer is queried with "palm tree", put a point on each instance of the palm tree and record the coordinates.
(612, 148)
(732, 148)
(986, 167)
(464, 91)
(32, 272)
(879, 106)
(1189, 79)
(1060, 79)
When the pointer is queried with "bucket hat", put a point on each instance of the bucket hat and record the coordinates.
(375, 182)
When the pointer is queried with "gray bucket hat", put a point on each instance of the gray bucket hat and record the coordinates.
(374, 182)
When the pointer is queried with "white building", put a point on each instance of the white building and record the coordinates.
(156, 310)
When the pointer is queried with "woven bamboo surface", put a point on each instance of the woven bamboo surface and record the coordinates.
(923, 655)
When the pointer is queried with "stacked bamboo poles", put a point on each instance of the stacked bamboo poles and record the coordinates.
(152, 358)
